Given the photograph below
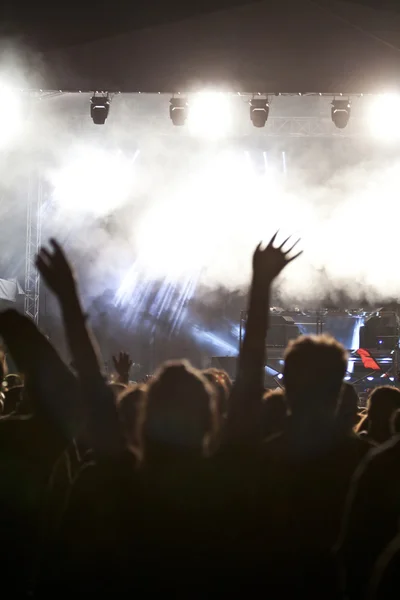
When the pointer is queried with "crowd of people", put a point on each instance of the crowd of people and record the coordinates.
(190, 484)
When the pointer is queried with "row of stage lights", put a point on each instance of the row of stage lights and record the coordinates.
(179, 110)
(259, 111)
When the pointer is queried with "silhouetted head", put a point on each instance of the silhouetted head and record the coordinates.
(313, 374)
(347, 416)
(130, 407)
(219, 380)
(382, 403)
(273, 412)
(180, 412)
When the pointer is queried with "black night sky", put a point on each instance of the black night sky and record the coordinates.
(46, 25)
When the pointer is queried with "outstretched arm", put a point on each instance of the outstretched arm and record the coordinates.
(99, 407)
(245, 402)
(52, 388)
(59, 276)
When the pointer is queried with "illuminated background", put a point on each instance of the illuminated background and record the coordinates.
(161, 221)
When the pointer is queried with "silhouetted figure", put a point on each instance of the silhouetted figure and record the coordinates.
(274, 413)
(395, 423)
(13, 400)
(305, 473)
(130, 408)
(222, 385)
(372, 515)
(381, 405)
(187, 485)
(179, 429)
(385, 579)
(347, 415)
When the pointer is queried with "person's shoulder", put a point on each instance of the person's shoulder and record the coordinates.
(107, 476)
(379, 462)
(363, 443)
(274, 441)
(122, 465)
(275, 446)
(13, 424)
(356, 450)
(388, 450)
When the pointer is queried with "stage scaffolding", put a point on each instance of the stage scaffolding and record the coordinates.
(276, 127)
(79, 120)
(32, 246)
(277, 352)
(315, 127)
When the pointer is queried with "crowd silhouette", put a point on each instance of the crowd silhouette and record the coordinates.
(191, 485)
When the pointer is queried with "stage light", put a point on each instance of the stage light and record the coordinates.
(209, 115)
(259, 111)
(178, 111)
(347, 378)
(384, 117)
(370, 378)
(280, 376)
(340, 113)
(99, 109)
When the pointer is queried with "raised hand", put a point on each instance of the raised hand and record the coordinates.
(56, 271)
(269, 262)
(123, 364)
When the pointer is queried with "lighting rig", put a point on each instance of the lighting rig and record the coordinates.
(180, 106)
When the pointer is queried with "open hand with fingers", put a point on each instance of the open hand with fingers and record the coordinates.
(56, 271)
(122, 364)
(269, 262)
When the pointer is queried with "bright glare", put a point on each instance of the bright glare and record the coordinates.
(384, 117)
(205, 201)
(10, 114)
(210, 115)
(213, 220)
(93, 181)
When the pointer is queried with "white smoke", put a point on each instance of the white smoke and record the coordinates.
(208, 220)
(127, 193)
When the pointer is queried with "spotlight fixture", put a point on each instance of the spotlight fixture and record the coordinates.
(259, 111)
(99, 108)
(178, 111)
(341, 113)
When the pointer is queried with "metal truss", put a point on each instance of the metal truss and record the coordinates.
(33, 243)
(165, 92)
(285, 127)
(312, 127)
